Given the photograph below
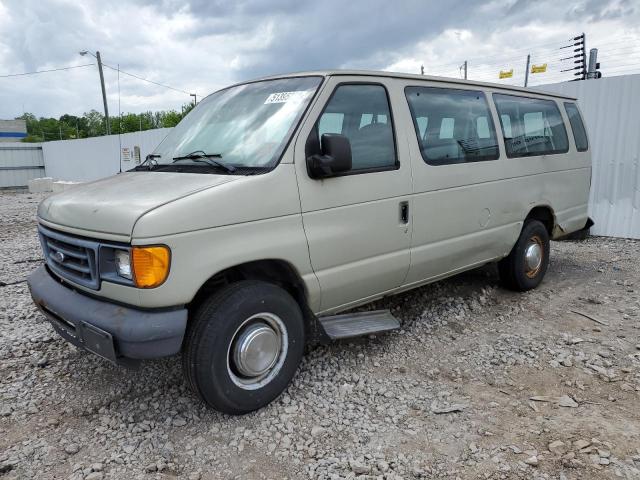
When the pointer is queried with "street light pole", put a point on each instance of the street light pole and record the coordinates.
(104, 92)
(195, 99)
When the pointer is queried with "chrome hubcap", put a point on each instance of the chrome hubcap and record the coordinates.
(533, 257)
(257, 351)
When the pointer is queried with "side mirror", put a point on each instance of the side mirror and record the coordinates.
(335, 158)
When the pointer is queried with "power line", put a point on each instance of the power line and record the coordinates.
(558, 57)
(625, 49)
(46, 71)
(512, 54)
(622, 40)
(147, 80)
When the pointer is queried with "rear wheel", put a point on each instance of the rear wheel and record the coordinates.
(525, 267)
(244, 346)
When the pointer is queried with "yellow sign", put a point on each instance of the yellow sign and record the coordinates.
(539, 68)
(506, 73)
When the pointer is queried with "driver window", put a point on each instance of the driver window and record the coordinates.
(361, 113)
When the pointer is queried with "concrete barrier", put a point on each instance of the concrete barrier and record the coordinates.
(61, 185)
(40, 185)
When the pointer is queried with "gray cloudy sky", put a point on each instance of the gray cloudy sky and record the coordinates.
(202, 45)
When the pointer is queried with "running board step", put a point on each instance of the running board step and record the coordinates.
(350, 325)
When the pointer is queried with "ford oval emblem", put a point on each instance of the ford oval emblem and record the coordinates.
(59, 256)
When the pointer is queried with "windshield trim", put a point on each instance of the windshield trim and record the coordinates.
(294, 128)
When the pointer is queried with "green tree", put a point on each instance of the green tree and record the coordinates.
(33, 130)
(171, 118)
(92, 124)
(187, 107)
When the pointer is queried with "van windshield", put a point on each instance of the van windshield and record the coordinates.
(246, 126)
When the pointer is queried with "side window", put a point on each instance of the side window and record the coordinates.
(533, 124)
(446, 128)
(369, 118)
(530, 126)
(506, 125)
(330, 123)
(482, 126)
(361, 113)
(452, 126)
(579, 132)
(422, 123)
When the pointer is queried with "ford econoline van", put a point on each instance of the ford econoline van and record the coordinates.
(279, 204)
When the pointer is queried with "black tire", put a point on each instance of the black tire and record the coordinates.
(206, 355)
(514, 272)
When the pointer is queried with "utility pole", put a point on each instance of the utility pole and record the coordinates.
(104, 94)
(465, 69)
(421, 69)
(526, 72)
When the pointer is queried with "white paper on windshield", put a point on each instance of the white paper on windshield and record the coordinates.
(284, 97)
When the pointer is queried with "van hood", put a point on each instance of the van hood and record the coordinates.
(114, 204)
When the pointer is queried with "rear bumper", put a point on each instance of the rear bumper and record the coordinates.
(112, 331)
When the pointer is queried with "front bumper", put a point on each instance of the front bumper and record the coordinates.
(112, 331)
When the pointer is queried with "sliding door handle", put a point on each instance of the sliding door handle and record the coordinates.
(404, 212)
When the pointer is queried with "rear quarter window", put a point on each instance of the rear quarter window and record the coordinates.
(577, 126)
(531, 126)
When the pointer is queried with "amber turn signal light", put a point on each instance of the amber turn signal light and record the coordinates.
(150, 265)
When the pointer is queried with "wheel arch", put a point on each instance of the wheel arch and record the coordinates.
(273, 270)
(546, 215)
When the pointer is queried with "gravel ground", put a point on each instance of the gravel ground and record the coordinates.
(480, 383)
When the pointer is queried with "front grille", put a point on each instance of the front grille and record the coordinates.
(71, 257)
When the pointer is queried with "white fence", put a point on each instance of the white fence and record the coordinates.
(93, 158)
(19, 163)
(75, 160)
(611, 109)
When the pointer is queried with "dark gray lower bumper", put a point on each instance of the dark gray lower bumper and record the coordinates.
(107, 329)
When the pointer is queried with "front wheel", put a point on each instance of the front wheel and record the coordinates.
(524, 268)
(244, 346)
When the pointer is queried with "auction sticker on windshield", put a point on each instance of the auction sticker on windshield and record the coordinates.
(284, 97)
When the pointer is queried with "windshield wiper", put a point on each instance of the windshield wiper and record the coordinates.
(149, 163)
(208, 158)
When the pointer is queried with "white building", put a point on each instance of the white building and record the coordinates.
(12, 130)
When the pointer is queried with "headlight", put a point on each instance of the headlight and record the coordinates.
(150, 265)
(142, 267)
(123, 263)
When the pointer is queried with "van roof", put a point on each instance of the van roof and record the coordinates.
(411, 76)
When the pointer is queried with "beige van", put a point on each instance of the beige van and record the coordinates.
(279, 203)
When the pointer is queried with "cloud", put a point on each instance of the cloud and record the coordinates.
(202, 45)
